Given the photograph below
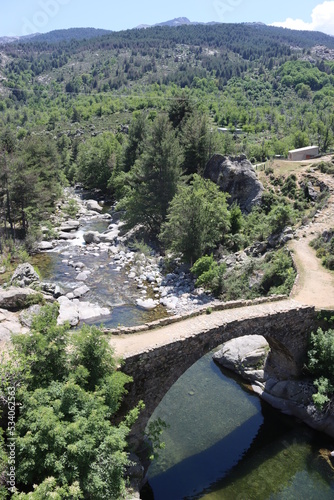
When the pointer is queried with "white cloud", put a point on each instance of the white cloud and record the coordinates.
(322, 20)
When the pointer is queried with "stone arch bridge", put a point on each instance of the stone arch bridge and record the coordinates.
(156, 358)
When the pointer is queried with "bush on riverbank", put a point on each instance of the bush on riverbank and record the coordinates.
(321, 365)
(273, 275)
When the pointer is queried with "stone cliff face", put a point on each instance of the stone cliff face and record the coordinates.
(236, 176)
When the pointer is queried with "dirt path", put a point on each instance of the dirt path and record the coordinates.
(315, 284)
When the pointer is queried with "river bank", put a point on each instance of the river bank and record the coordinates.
(247, 357)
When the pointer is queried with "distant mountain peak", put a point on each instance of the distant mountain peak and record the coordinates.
(178, 21)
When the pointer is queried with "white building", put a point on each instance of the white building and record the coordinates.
(303, 153)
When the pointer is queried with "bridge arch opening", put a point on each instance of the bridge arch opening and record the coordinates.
(156, 369)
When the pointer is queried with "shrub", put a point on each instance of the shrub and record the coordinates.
(279, 274)
(321, 364)
(210, 274)
(202, 265)
(324, 246)
(71, 208)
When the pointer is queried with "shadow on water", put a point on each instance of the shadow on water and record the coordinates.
(267, 456)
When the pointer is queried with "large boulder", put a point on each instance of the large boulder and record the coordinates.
(24, 275)
(43, 246)
(109, 236)
(92, 237)
(27, 316)
(245, 355)
(69, 225)
(68, 312)
(14, 298)
(73, 311)
(94, 206)
(62, 235)
(80, 291)
(236, 176)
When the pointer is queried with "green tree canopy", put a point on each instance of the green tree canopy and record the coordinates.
(154, 179)
(69, 390)
(97, 159)
(198, 219)
(196, 143)
(135, 142)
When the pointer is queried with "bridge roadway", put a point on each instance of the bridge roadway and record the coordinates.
(127, 346)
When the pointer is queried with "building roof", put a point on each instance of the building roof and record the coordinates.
(308, 148)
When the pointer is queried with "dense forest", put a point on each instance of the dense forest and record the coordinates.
(137, 115)
(70, 106)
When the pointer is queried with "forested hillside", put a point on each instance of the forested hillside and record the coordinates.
(87, 110)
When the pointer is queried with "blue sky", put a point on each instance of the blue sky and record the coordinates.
(21, 17)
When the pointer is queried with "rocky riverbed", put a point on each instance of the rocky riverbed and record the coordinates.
(98, 268)
(175, 291)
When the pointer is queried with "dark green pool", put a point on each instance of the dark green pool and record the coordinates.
(224, 443)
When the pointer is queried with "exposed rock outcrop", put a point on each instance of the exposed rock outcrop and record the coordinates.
(9, 323)
(295, 398)
(24, 275)
(245, 355)
(292, 397)
(14, 298)
(236, 176)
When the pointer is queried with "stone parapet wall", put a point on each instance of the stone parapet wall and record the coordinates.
(223, 306)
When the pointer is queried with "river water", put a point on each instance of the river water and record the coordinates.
(223, 441)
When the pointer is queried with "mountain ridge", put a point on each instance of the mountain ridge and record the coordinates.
(177, 21)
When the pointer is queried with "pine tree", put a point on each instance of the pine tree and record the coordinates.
(155, 178)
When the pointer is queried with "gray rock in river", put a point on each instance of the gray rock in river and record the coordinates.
(44, 246)
(94, 206)
(92, 237)
(52, 289)
(109, 236)
(67, 312)
(66, 236)
(75, 311)
(79, 292)
(82, 276)
(70, 225)
(245, 355)
(147, 304)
